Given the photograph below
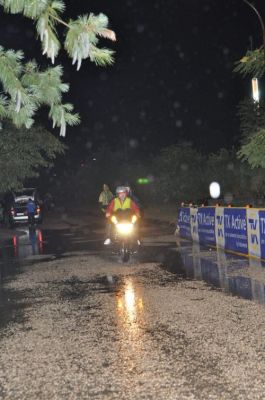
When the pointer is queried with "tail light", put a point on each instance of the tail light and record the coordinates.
(14, 241)
(38, 210)
(40, 236)
(40, 241)
(15, 245)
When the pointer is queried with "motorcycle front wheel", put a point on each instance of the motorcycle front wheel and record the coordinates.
(125, 254)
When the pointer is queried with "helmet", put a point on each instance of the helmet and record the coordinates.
(121, 189)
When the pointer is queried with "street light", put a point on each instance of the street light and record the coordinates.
(260, 20)
(255, 83)
(255, 90)
(215, 190)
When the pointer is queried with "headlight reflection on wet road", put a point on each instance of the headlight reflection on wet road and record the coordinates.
(129, 319)
(129, 307)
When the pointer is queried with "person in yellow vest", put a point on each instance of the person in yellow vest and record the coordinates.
(105, 197)
(120, 202)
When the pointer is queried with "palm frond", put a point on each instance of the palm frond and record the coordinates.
(102, 57)
(81, 40)
(253, 63)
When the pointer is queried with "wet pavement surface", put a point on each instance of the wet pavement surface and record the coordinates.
(77, 323)
(179, 256)
(33, 246)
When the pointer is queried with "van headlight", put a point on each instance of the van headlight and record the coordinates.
(124, 229)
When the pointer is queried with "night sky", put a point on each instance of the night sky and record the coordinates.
(172, 79)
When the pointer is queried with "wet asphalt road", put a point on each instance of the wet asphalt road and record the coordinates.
(76, 323)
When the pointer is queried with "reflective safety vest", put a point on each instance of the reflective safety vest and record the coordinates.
(118, 205)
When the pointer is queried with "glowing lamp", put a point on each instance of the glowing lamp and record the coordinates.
(143, 181)
(215, 190)
(255, 89)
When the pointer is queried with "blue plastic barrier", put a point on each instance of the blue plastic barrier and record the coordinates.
(240, 230)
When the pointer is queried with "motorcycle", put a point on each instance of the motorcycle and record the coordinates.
(125, 233)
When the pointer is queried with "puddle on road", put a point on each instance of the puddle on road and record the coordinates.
(186, 261)
(30, 246)
(239, 276)
(33, 246)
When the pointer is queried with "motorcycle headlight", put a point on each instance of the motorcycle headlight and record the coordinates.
(134, 219)
(124, 229)
(114, 220)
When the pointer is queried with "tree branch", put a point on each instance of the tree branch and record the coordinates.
(59, 20)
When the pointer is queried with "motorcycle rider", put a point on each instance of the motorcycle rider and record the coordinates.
(104, 198)
(132, 196)
(121, 202)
